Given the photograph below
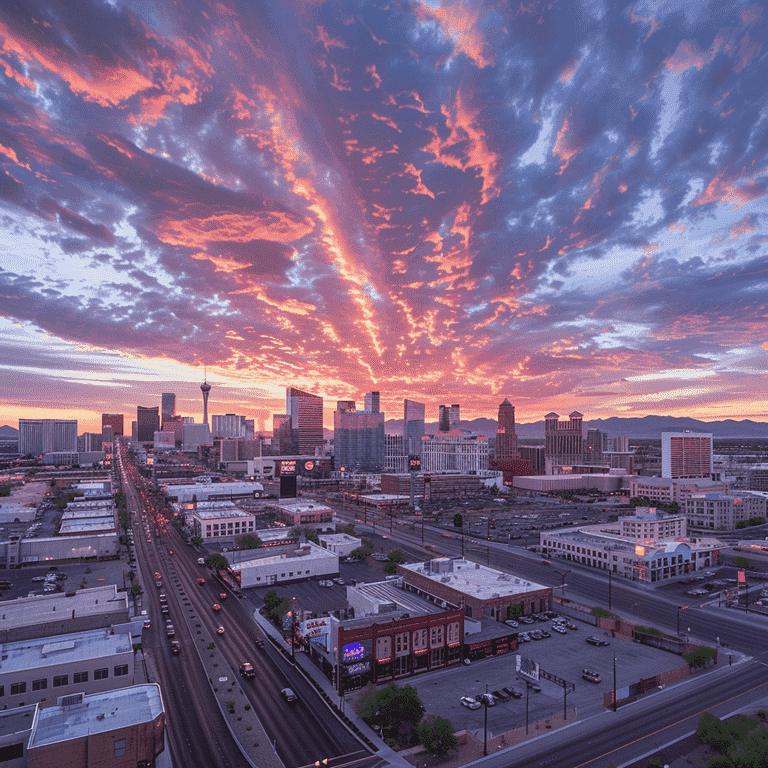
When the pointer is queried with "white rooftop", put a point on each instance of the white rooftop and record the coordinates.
(472, 578)
(219, 514)
(97, 713)
(303, 506)
(26, 611)
(305, 552)
(22, 655)
(339, 538)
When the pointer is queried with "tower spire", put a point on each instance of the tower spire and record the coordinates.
(205, 388)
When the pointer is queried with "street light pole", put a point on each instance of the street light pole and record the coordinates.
(614, 683)
(610, 587)
(680, 608)
(293, 630)
(485, 720)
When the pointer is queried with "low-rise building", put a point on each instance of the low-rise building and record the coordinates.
(662, 490)
(40, 669)
(221, 524)
(304, 513)
(722, 511)
(341, 544)
(122, 728)
(282, 564)
(58, 614)
(610, 481)
(184, 492)
(479, 590)
(628, 547)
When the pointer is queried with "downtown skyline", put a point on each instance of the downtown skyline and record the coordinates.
(558, 203)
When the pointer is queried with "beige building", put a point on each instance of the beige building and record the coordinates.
(662, 490)
(722, 511)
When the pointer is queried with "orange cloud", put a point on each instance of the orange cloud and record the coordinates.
(459, 21)
(561, 148)
(744, 226)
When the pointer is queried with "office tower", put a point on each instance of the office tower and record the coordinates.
(506, 436)
(395, 459)
(533, 455)
(228, 425)
(205, 388)
(39, 436)
(195, 435)
(147, 423)
(168, 406)
(413, 426)
(442, 418)
(250, 429)
(563, 442)
(175, 425)
(90, 441)
(358, 439)
(596, 445)
(372, 402)
(686, 454)
(457, 452)
(448, 417)
(107, 435)
(306, 413)
(114, 420)
(282, 438)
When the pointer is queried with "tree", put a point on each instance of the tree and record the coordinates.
(397, 711)
(196, 541)
(741, 562)
(218, 562)
(276, 606)
(396, 556)
(699, 657)
(390, 567)
(435, 734)
(349, 529)
(458, 520)
(751, 751)
(310, 534)
(249, 541)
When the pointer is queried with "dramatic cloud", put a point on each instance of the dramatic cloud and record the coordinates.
(563, 203)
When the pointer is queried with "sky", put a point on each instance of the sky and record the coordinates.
(561, 203)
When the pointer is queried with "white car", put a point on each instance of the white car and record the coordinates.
(511, 623)
(559, 628)
(470, 703)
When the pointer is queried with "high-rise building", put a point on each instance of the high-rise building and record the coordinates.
(455, 451)
(506, 436)
(39, 436)
(686, 454)
(147, 423)
(563, 442)
(413, 426)
(358, 439)
(449, 417)
(372, 402)
(228, 425)
(168, 406)
(205, 388)
(395, 459)
(306, 413)
(282, 438)
(595, 446)
(114, 420)
(195, 435)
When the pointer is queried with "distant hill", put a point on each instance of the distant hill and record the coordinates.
(8, 433)
(647, 427)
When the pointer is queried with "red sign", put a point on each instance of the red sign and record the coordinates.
(742, 576)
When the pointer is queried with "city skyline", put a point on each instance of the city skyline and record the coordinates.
(446, 202)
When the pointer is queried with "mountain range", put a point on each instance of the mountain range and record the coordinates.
(645, 428)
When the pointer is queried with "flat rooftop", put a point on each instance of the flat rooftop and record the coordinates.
(472, 578)
(303, 506)
(83, 526)
(97, 601)
(220, 514)
(97, 713)
(289, 552)
(387, 592)
(20, 656)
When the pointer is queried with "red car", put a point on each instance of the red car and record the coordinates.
(201, 581)
(219, 630)
(222, 595)
(216, 607)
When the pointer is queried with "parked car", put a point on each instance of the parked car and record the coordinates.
(589, 675)
(247, 670)
(571, 625)
(500, 695)
(526, 620)
(559, 628)
(544, 633)
(592, 640)
(487, 699)
(513, 692)
(534, 686)
(470, 703)
(524, 637)
(511, 623)
(289, 695)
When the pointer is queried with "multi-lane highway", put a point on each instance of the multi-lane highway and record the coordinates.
(202, 738)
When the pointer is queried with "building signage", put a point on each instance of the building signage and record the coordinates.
(359, 668)
(414, 463)
(286, 468)
(353, 651)
(316, 627)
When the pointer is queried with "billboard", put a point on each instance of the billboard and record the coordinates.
(315, 627)
(527, 667)
(286, 467)
(414, 463)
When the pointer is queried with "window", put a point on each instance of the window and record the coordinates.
(120, 748)
(80, 677)
(59, 680)
(383, 647)
(101, 674)
(40, 685)
(401, 642)
(121, 670)
(17, 688)
(436, 636)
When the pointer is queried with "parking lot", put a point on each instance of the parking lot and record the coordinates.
(562, 655)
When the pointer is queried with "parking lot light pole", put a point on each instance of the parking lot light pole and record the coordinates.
(485, 720)
(680, 608)
(614, 683)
